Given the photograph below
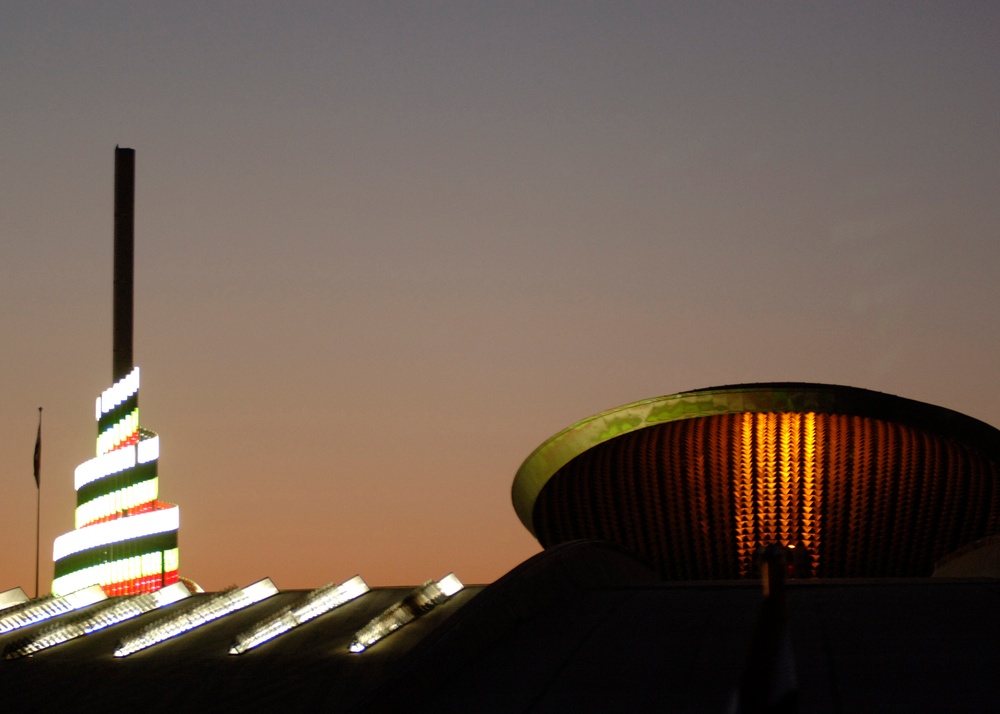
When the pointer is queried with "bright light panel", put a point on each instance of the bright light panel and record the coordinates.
(12, 597)
(118, 460)
(313, 605)
(119, 611)
(422, 600)
(118, 433)
(119, 391)
(45, 608)
(148, 449)
(129, 512)
(212, 609)
(104, 465)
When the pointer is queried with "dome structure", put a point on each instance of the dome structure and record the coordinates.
(859, 483)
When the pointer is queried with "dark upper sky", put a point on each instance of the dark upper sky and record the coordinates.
(384, 250)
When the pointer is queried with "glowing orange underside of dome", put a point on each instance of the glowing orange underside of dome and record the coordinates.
(698, 497)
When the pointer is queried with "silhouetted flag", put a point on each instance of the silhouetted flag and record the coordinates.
(38, 453)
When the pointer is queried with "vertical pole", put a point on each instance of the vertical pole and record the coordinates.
(768, 683)
(38, 495)
(124, 261)
(38, 528)
(124, 269)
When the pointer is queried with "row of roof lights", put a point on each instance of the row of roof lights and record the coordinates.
(120, 611)
(25, 612)
(313, 605)
(35, 611)
(215, 607)
(118, 392)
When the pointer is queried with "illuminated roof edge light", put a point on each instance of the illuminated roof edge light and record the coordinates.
(313, 605)
(211, 609)
(12, 597)
(45, 608)
(418, 602)
(113, 613)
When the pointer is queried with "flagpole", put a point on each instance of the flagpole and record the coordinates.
(38, 494)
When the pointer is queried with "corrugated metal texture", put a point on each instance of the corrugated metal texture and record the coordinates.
(864, 497)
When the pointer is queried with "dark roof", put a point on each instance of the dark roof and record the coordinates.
(581, 627)
(306, 667)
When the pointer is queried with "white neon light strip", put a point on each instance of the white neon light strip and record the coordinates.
(12, 597)
(116, 531)
(45, 608)
(422, 600)
(117, 571)
(118, 392)
(120, 611)
(148, 449)
(315, 604)
(104, 465)
(212, 609)
(118, 433)
(117, 501)
(118, 460)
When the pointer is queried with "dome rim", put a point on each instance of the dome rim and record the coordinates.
(760, 397)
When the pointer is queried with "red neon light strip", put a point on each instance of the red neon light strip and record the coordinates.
(147, 584)
(134, 511)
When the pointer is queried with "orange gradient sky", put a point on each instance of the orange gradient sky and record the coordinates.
(384, 250)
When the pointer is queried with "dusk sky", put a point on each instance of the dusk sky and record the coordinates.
(385, 250)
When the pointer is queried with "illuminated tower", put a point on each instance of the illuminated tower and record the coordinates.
(125, 538)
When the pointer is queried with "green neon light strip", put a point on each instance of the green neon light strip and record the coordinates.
(118, 413)
(119, 433)
(95, 560)
(118, 392)
(115, 482)
(117, 501)
(144, 565)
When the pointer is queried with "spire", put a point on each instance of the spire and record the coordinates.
(124, 262)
